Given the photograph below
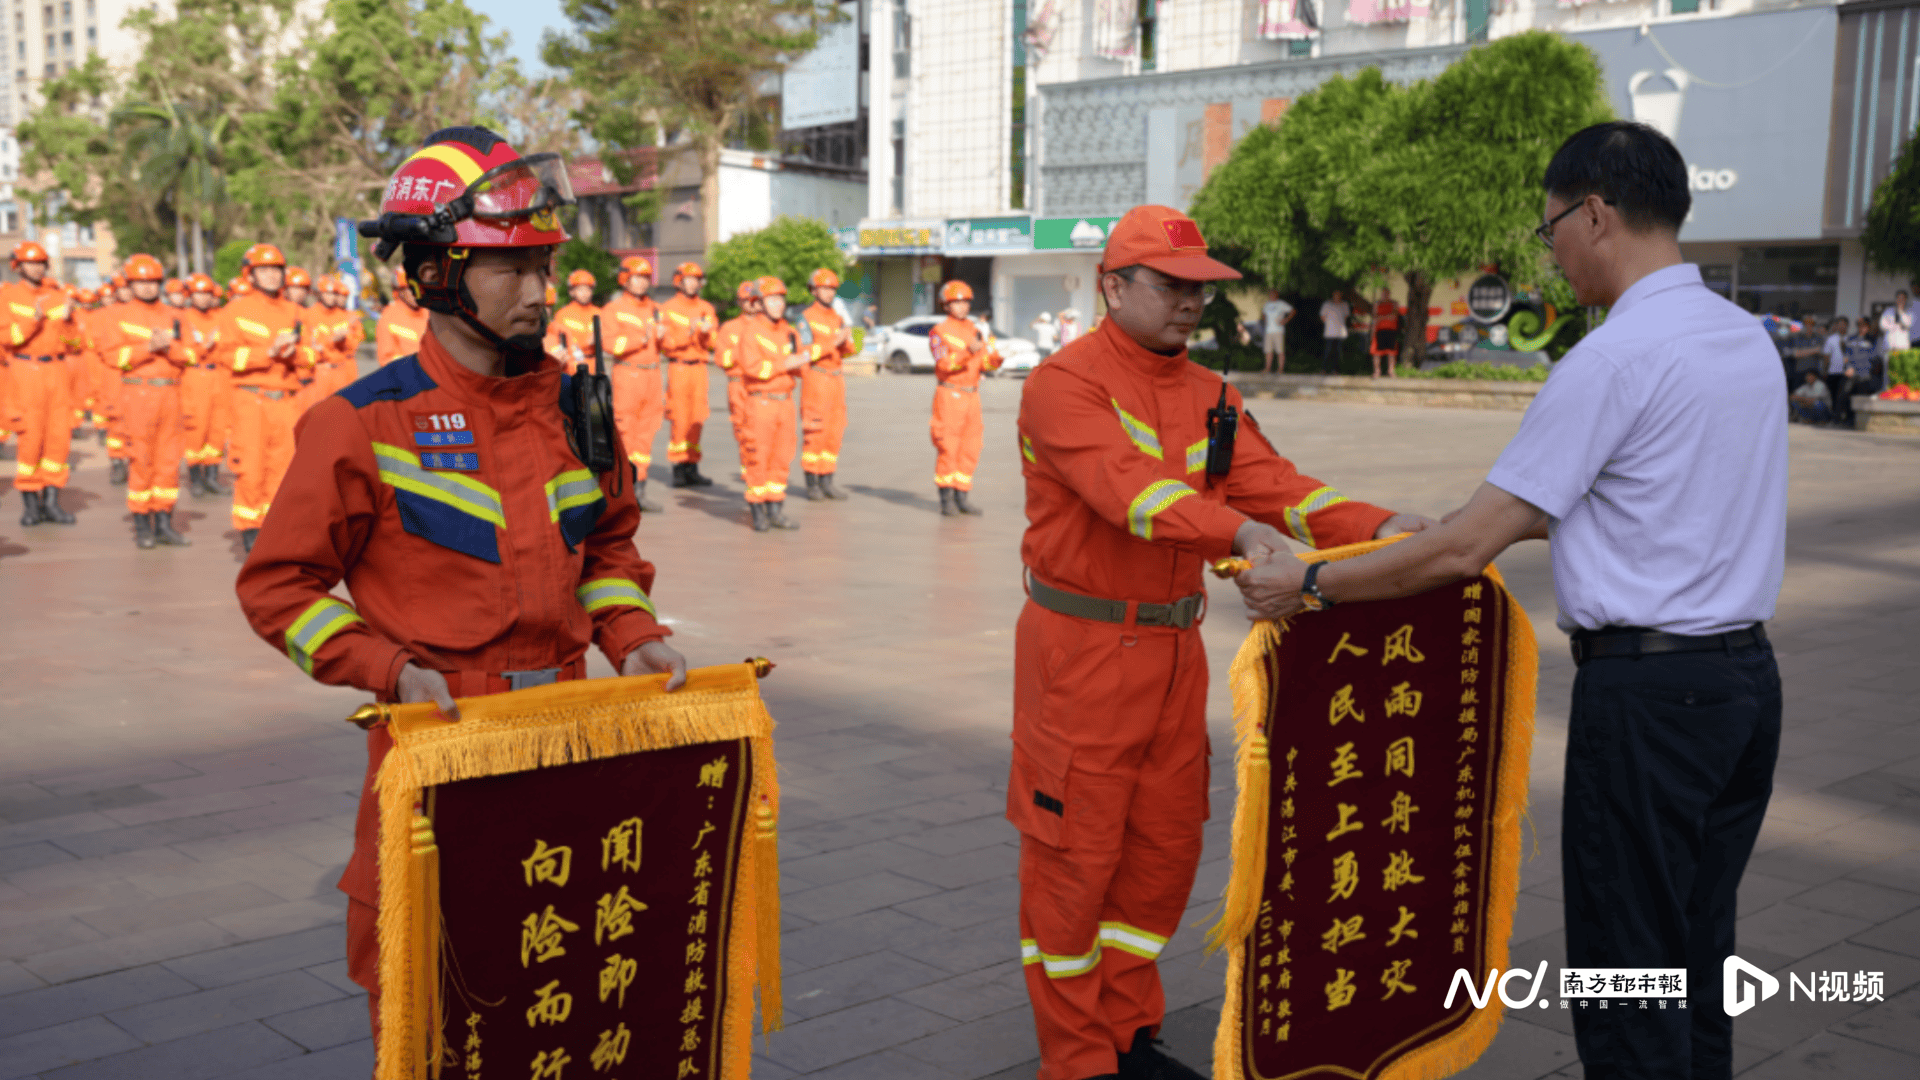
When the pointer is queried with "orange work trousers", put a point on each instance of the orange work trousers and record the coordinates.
(686, 409)
(766, 453)
(638, 405)
(80, 386)
(956, 437)
(154, 436)
(823, 420)
(43, 410)
(260, 450)
(1109, 792)
(206, 409)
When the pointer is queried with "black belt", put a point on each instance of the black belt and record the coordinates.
(677, 360)
(1637, 641)
(1182, 613)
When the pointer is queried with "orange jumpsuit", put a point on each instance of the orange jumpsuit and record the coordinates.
(266, 398)
(687, 325)
(334, 364)
(726, 354)
(206, 392)
(42, 384)
(150, 400)
(427, 488)
(95, 327)
(1110, 769)
(630, 332)
(766, 454)
(823, 392)
(398, 332)
(573, 325)
(956, 423)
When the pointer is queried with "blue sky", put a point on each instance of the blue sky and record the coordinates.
(524, 19)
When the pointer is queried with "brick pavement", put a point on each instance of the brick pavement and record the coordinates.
(175, 798)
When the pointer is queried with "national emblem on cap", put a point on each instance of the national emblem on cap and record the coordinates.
(1164, 239)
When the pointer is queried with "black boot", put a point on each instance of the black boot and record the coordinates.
(640, 496)
(680, 479)
(163, 530)
(1146, 1062)
(813, 488)
(247, 537)
(695, 477)
(117, 472)
(50, 508)
(961, 504)
(197, 481)
(946, 502)
(777, 515)
(210, 476)
(29, 508)
(759, 516)
(143, 531)
(828, 489)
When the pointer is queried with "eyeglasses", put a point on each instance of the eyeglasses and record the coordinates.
(1186, 290)
(1545, 232)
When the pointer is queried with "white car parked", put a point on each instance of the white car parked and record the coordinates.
(904, 348)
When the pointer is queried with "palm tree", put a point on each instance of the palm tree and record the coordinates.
(176, 151)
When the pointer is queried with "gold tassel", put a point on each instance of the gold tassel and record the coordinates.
(424, 880)
(766, 879)
(1248, 680)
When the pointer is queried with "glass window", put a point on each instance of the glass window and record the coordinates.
(1792, 282)
(1478, 13)
(1684, 7)
(1718, 278)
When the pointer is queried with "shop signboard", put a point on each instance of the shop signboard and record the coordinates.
(989, 235)
(917, 237)
(1083, 233)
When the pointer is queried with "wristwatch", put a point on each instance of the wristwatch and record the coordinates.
(1310, 591)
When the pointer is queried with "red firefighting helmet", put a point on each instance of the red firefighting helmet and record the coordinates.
(119, 281)
(581, 277)
(176, 287)
(239, 286)
(27, 251)
(298, 276)
(748, 290)
(144, 267)
(465, 187)
(263, 255)
(87, 296)
(634, 264)
(955, 290)
(687, 270)
(772, 286)
(200, 283)
(823, 278)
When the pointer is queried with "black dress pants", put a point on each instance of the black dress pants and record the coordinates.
(1669, 767)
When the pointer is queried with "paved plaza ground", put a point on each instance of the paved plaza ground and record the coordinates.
(176, 798)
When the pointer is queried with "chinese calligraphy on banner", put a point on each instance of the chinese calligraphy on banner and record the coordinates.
(1397, 737)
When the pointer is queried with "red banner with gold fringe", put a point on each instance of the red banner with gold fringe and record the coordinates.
(1384, 750)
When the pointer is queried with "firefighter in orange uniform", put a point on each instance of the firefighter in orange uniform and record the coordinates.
(260, 343)
(726, 355)
(337, 334)
(147, 343)
(960, 353)
(401, 323)
(1127, 502)
(206, 392)
(687, 325)
(96, 326)
(86, 364)
(769, 353)
(39, 326)
(570, 333)
(630, 333)
(429, 533)
(299, 287)
(823, 388)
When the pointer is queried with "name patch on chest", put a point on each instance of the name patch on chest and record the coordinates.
(459, 462)
(439, 422)
(443, 438)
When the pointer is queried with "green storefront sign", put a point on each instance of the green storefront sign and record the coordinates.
(1084, 233)
(994, 234)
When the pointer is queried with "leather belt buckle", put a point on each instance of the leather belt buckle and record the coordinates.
(1579, 651)
(521, 680)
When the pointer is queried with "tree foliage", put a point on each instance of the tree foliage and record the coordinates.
(1892, 233)
(790, 248)
(1430, 181)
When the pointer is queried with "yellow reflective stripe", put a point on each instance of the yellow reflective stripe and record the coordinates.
(407, 332)
(607, 592)
(240, 358)
(571, 489)
(402, 470)
(1152, 499)
(462, 165)
(677, 317)
(1296, 515)
(1058, 967)
(136, 330)
(252, 327)
(1131, 939)
(325, 618)
(629, 317)
(1197, 456)
(1144, 437)
(1026, 450)
(22, 309)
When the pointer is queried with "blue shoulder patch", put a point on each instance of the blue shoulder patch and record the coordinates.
(397, 381)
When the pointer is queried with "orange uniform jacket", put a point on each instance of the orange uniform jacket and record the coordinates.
(398, 332)
(1114, 446)
(247, 329)
(125, 341)
(575, 323)
(687, 326)
(630, 329)
(28, 335)
(765, 347)
(726, 355)
(953, 363)
(824, 322)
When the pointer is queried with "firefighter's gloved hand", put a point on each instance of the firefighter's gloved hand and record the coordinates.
(424, 684)
(655, 657)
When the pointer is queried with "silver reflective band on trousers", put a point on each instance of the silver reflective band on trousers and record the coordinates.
(1182, 613)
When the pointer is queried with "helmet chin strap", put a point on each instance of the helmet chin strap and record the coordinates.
(522, 351)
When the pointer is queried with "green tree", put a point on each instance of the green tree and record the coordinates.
(1428, 181)
(1892, 233)
(176, 152)
(790, 249)
(688, 66)
(226, 261)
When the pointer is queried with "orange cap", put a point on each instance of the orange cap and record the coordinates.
(119, 281)
(634, 264)
(1163, 239)
(263, 255)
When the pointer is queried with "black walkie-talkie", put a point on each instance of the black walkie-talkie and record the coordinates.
(591, 433)
(1223, 423)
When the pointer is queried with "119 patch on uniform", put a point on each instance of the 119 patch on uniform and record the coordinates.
(437, 429)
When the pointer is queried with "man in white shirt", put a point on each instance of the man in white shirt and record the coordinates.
(1334, 313)
(1896, 325)
(1278, 313)
(1655, 458)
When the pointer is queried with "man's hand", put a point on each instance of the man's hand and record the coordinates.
(282, 346)
(1271, 590)
(422, 684)
(1403, 523)
(339, 334)
(655, 657)
(1258, 541)
(160, 342)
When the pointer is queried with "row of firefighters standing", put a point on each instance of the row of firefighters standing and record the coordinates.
(768, 351)
(169, 377)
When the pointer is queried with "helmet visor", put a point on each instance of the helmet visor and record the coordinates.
(522, 188)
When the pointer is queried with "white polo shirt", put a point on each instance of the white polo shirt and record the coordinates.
(1659, 450)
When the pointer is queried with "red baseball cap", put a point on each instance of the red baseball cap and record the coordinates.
(1166, 240)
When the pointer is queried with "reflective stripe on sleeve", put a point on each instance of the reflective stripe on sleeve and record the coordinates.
(1197, 456)
(1059, 967)
(1144, 437)
(252, 327)
(1296, 515)
(1131, 939)
(314, 627)
(402, 469)
(1154, 498)
(606, 592)
(1026, 450)
(571, 489)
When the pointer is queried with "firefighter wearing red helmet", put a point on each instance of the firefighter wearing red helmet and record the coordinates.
(630, 333)
(823, 390)
(687, 325)
(771, 349)
(570, 334)
(961, 352)
(427, 488)
(40, 328)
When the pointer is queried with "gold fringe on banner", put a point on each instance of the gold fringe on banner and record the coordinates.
(1247, 678)
(560, 724)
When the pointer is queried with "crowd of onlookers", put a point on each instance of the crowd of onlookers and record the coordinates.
(1828, 361)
